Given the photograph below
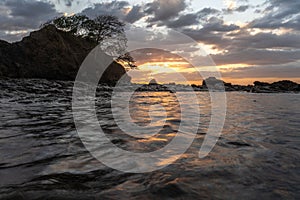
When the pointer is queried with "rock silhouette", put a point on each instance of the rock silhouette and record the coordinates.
(50, 54)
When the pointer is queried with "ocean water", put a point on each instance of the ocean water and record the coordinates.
(42, 156)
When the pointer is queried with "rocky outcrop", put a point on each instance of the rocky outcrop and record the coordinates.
(50, 54)
(279, 86)
(153, 82)
(213, 82)
(257, 87)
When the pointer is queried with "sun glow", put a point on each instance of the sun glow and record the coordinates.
(68, 15)
(232, 66)
(231, 4)
(163, 67)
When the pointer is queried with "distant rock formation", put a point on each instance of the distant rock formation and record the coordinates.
(213, 83)
(155, 87)
(257, 87)
(279, 86)
(153, 82)
(51, 54)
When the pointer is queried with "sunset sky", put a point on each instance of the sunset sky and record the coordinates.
(247, 39)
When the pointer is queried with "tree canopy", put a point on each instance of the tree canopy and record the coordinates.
(105, 30)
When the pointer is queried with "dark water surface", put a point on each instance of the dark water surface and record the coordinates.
(42, 157)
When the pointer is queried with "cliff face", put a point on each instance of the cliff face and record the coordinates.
(50, 54)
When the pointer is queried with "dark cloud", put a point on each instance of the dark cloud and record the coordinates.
(260, 49)
(190, 19)
(165, 9)
(119, 9)
(217, 25)
(207, 12)
(241, 8)
(67, 3)
(241, 46)
(135, 14)
(116, 8)
(212, 33)
(23, 15)
(257, 57)
(285, 71)
(281, 14)
(29, 8)
(183, 20)
(266, 41)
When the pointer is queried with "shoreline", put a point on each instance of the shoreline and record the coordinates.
(172, 88)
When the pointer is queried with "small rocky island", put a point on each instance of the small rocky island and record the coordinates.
(257, 87)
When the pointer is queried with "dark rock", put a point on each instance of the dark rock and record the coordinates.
(213, 82)
(239, 144)
(154, 88)
(171, 189)
(279, 86)
(50, 54)
(285, 85)
(258, 83)
(153, 82)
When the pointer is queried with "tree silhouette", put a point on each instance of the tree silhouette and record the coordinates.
(105, 30)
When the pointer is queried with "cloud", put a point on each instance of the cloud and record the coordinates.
(13, 36)
(276, 71)
(239, 45)
(241, 8)
(257, 57)
(217, 25)
(164, 9)
(120, 9)
(236, 44)
(182, 21)
(29, 8)
(67, 3)
(155, 55)
(22, 15)
(116, 8)
(259, 49)
(280, 14)
(212, 33)
(134, 14)
(207, 12)
(266, 41)
(190, 19)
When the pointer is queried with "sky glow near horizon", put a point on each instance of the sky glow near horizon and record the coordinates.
(247, 39)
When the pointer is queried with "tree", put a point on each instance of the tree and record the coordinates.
(78, 25)
(106, 26)
(129, 62)
(105, 30)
